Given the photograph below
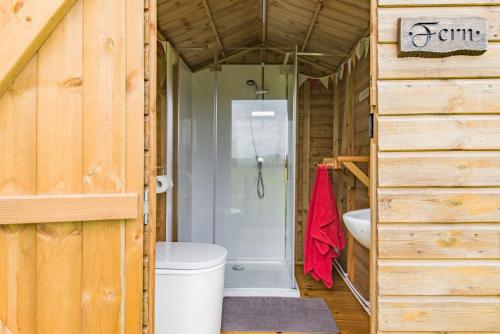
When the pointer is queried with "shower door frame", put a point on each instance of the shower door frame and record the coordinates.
(293, 290)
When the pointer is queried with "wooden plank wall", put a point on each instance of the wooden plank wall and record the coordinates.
(150, 161)
(68, 125)
(327, 125)
(438, 180)
(161, 138)
(314, 142)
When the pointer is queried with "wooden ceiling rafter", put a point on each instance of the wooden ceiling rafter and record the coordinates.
(239, 52)
(214, 27)
(328, 27)
(162, 38)
(317, 10)
(264, 21)
(316, 64)
(264, 29)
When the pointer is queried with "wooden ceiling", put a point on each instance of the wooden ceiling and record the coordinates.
(331, 27)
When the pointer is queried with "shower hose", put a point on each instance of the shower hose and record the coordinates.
(260, 179)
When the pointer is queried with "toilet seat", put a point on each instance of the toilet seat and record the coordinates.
(188, 255)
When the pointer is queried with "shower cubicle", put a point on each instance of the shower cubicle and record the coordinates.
(237, 137)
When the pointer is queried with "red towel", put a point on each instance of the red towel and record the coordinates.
(324, 237)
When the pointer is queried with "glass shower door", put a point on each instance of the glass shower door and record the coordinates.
(252, 180)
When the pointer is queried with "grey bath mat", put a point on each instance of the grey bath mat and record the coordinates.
(275, 314)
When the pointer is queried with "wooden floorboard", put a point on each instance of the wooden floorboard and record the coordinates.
(350, 316)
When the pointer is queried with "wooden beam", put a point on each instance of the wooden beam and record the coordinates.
(319, 6)
(317, 65)
(231, 56)
(212, 24)
(35, 209)
(23, 35)
(358, 173)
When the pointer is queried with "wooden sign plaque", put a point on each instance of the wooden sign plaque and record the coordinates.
(433, 37)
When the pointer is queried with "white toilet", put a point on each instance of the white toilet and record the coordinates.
(189, 288)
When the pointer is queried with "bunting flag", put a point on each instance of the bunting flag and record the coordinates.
(302, 78)
(325, 81)
(367, 45)
(341, 72)
(360, 50)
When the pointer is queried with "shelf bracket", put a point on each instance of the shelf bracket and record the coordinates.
(349, 163)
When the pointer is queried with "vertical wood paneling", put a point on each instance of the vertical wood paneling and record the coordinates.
(161, 133)
(59, 171)
(150, 162)
(338, 125)
(71, 123)
(18, 177)
(306, 156)
(104, 162)
(336, 119)
(135, 166)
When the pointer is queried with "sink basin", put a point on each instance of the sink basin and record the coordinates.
(358, 223)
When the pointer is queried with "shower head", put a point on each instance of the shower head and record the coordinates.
(258, 92)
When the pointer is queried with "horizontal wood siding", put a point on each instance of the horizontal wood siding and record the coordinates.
(438, 179)
(438, 169)
(439, 241)
(439, 277)
(460, 96)
(430, 205)
(449, 314)
(464, 132)
(393, 3)
(392, 67)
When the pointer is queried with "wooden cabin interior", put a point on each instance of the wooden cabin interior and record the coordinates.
(332, 115)
(127, 123)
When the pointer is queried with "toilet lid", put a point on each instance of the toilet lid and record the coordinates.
(188, 255)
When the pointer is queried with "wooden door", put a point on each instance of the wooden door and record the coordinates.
(71, 166)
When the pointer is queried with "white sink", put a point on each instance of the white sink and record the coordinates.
(358, 223)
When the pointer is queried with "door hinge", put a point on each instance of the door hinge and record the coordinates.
(146, 207)
(370, 125)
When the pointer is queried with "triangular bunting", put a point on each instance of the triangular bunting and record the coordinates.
(367, 45)
(302, 78)
(325, 81)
